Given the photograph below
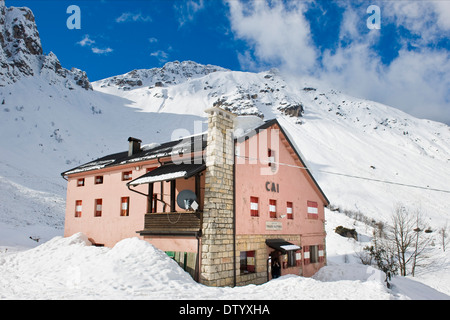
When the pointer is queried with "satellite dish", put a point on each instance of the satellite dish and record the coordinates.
(186, 199)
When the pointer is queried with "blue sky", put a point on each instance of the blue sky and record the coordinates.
(405, 63)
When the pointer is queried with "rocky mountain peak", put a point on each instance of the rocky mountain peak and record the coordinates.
(171, 73)
(21, 53)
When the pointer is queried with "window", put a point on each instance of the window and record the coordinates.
(127, 175)
(80, 182)
(98, 208)
(78, 208)
(306, 259)
(273, 208)
(292, 258)
(313, 210)
(254, 201)
(290, 210)
(247, 261)
(271, 157)
(125, 206)
(321, 253)
(314, 254)
(154, 202)
(99, 180)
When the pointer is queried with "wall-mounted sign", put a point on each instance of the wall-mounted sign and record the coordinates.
(274, 225)
(272, 187)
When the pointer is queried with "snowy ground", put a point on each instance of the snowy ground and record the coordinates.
(69, 268)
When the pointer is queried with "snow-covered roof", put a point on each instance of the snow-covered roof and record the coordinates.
(148, 152)
(169, 172)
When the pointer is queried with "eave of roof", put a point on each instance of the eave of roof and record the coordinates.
(186, 145)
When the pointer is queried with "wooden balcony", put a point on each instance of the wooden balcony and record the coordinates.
(172, 223)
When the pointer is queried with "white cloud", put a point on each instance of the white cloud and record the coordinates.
(101, 51)
(152, 40)
(442, 9)
(187, 10)
(426, 19)
(86, 41)
(278, 34)
(133, 17)
(161, 55)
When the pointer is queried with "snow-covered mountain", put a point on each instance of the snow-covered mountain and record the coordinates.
(335, 132)
(367, 157)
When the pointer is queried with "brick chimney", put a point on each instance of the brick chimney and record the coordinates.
(218, 255)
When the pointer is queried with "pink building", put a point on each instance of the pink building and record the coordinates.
(225, 208)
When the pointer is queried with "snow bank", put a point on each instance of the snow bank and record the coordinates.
(70, 268)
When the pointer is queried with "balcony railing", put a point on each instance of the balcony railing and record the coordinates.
(172, 223)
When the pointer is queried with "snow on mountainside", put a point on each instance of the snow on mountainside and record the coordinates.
(335, 132)
(53, 119)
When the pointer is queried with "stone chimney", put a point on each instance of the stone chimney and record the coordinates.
(134, 146)
(218, 255)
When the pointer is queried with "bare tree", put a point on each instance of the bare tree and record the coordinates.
(402, 235)
(421, 243)
(411, 238)
(443, 235)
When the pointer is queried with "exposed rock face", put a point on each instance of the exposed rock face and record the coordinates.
(21, 53)
(171, 73)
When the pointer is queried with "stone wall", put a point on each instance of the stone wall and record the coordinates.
(257, 243)
(217, 226)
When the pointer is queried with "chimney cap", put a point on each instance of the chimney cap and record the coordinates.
(217, 109)
(131, 139)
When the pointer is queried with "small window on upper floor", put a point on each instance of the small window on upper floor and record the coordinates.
(254, 203)
(127, 175)
(80, 182)
(290, 210)
(99, 180)
(273, 208)
(271, 157)
(313, 210)
(98, 207)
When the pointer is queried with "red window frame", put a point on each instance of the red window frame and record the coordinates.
(298, 257)
(98, 180)
(247, 262)
(270, 156)
(254, 209)
(312, 210)
(272, 211)
(321, 253)
(306, 257)
(98, 207)
(80, 182)
(154, 203)
(124, 206)
(78, 208)
(290, 205)
(127, 175)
